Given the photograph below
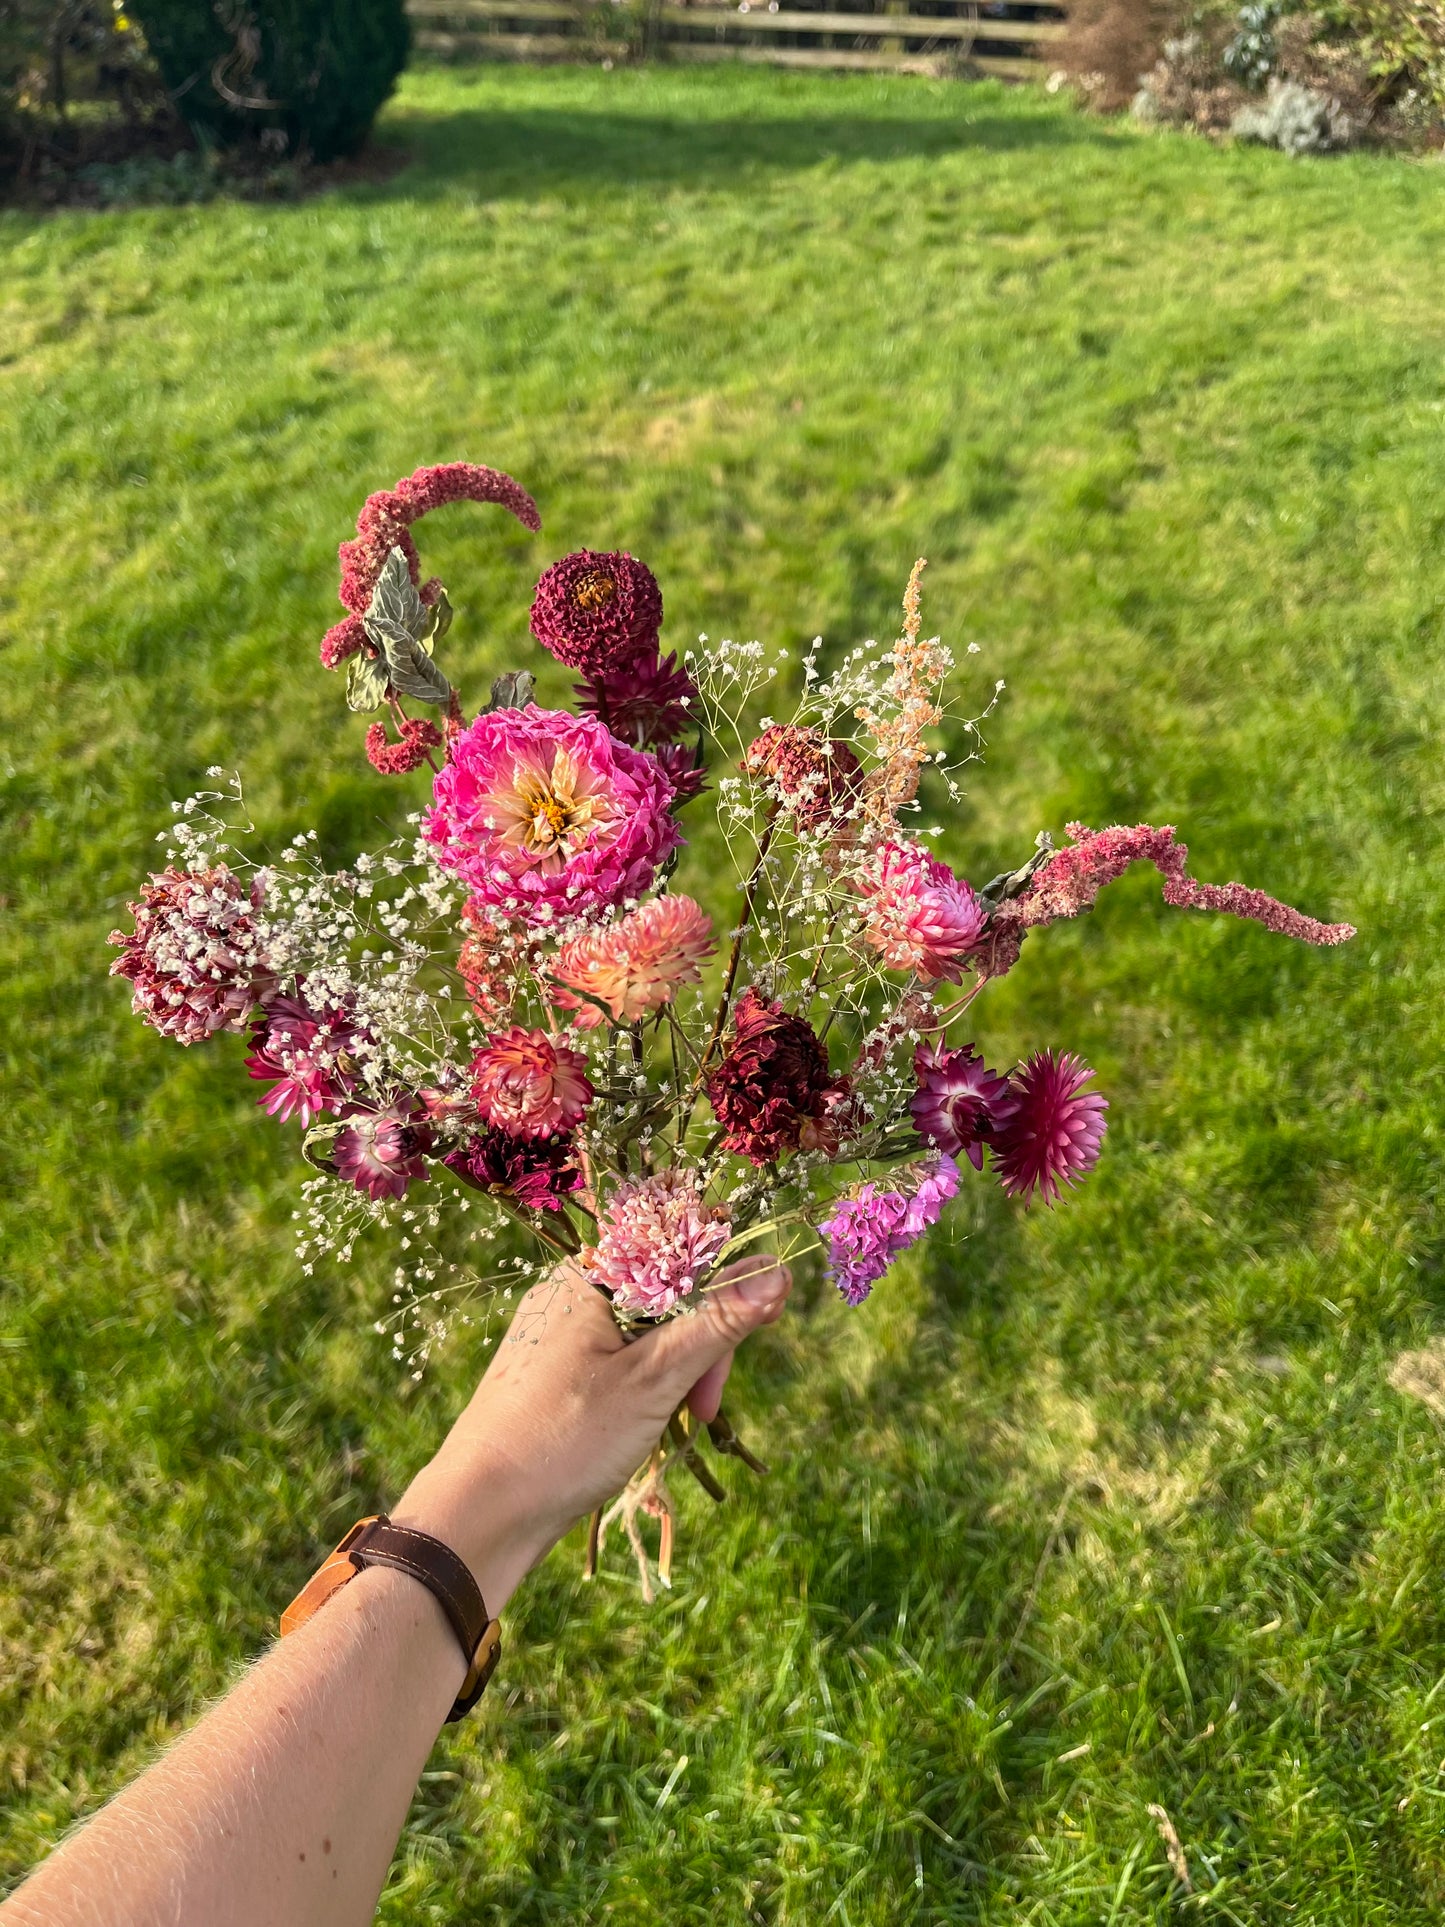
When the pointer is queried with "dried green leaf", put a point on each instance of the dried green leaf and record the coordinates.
(439, 620)
(412, 672)
(513, 690)
(365, 684)
(316, 1145)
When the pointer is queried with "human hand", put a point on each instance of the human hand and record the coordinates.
(568, 1410)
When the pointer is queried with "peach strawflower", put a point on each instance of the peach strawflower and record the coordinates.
(921, 917)
(638, 964)
(529, 1085)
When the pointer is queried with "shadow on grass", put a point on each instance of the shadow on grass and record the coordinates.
(519, 153)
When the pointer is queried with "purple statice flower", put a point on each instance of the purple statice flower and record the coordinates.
(380, 1152)
(309, 1052)
(959, 1103)
(1054, 1131)
(868, 1230)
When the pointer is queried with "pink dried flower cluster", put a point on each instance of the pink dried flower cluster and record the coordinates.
(545, 815)
(384, 524)
(658, 1241)
(920, 916)
(418, 738)
(310, 1053)
(528, 1084)
(636, 965)
(193, 955)
(1069, 883)
(598, 613)
(871, 1227)
(911, 707)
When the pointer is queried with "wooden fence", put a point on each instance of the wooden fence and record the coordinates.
(960, 38)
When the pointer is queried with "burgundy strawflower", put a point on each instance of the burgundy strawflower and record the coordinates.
(194, 955)
(959, 1103)
(1053, 1133)
(418, 737)
(871, 1227)
(818, 778)
(1071, 880)
(598, 613)
(380, 1152)
(645, 702)
(773, 1081)
(311, 1053)
(383, 525)
(536, 1173)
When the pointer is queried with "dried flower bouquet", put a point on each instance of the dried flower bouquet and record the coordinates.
(517, 1017)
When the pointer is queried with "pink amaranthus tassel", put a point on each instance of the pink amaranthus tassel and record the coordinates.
(1071, 880)
(383, 525)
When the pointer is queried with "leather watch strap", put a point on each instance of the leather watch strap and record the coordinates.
(377, 1542)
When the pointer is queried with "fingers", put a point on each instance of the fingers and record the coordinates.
(705, 1398)
(683, 1352)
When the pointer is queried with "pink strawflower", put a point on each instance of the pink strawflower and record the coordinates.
(383, 525)
(921, 917)
(870, 1228)
(536, 1173)
(598, 613)
(645, 702)
(381, 1152)
(658, 1241)
(959, 1103)
(1054, 1131)
(640, 963)
(546, 815)
(1071, 880)
(310, 1053)
(529, 1085)
(418, 738)
(194, 956)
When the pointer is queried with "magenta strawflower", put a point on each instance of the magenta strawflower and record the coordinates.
(959, 1103)
(310, 1053)
(598, 613)
(1053, 1133)
(536, 1173)
(546, 815)
(383, 525)
(529, 1085)
(644, 703)
(194, 956)
(657, 1242)
(871, 1227)
(921, 917)
(381, 1152)
(1068, 884)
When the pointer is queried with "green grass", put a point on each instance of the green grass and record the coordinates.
(1091, 1510)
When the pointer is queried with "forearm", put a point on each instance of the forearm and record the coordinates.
(284, 1805)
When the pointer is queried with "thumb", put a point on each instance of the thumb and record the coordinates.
(749, 1293)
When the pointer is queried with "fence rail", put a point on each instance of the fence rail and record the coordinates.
(893, 42)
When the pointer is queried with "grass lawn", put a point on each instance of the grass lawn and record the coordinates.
(1090, 1511)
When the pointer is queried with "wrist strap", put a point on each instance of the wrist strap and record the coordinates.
(377, 1542)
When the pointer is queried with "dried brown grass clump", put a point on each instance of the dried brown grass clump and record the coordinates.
(1109, 44)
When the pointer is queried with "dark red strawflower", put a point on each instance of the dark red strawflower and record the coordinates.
(1054, 1131)
(383, 525)
(645, 702)
(598, 613)
(960, 1103)
(773, 1082)
(536, 1173)
(418, 738)
(818, 777)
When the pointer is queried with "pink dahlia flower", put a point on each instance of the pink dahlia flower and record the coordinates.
(545, 814)
(310, 1053)
(1054, 1131)
(645, 702)
(597, 613)
(639, 964)
(381, 1152)
(528, 1085)
(658, 1242)
(868, 1230)
(194, 955)
(921, 917)
(536, 1173)
(959, 1103)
